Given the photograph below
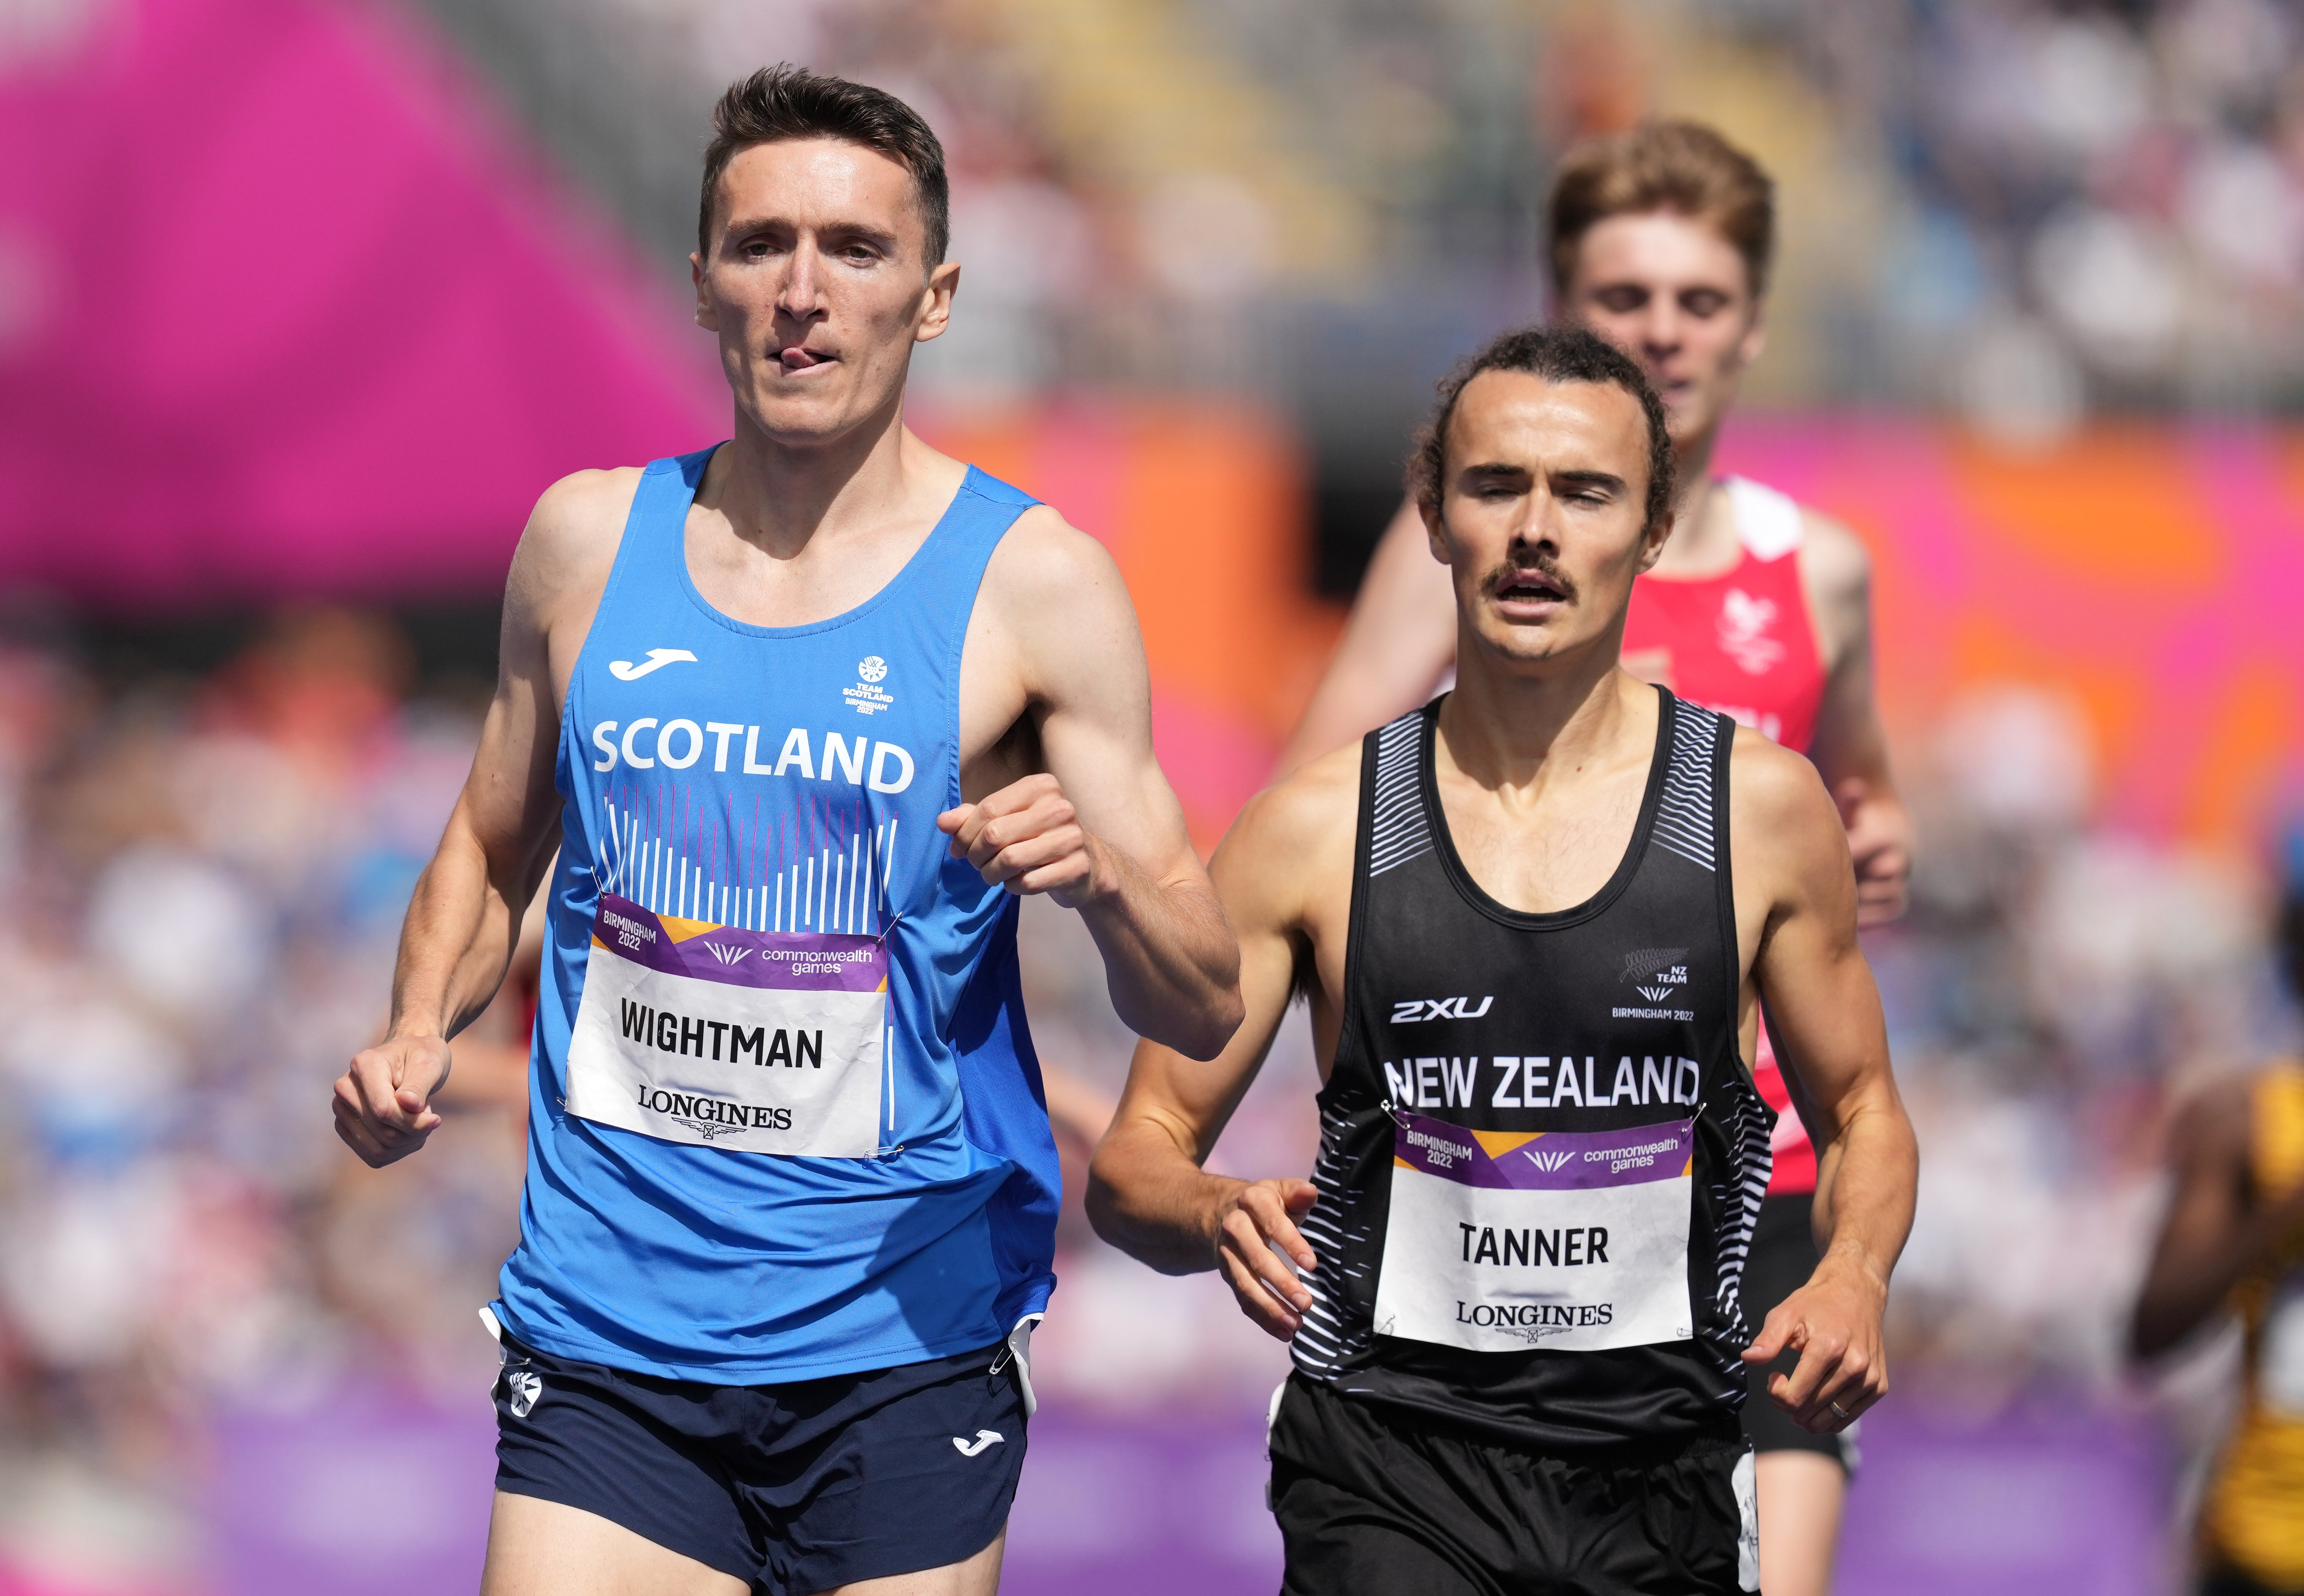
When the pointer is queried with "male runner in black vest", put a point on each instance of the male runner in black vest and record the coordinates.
(1534, 921)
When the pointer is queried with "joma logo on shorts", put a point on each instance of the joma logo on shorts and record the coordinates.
(1415, 1009)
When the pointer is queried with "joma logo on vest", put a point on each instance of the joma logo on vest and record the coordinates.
(670, 1033)
(680, 743)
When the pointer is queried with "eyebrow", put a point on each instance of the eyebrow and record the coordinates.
(1496, 471)
(751, 224)
(1600, 479)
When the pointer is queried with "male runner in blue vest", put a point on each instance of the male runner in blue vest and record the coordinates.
(800, 714)
(1535, 920)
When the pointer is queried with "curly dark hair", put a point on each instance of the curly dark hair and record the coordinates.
(1557, 354)
(785, 101)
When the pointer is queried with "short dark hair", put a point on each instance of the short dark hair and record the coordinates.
(785, 101)
(1557, 354)
(1684, 167)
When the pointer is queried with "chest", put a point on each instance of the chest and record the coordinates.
(1543, 855)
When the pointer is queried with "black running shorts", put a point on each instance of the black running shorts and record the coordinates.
(1370, 1507)
(1783, 1257)
(796, 1488)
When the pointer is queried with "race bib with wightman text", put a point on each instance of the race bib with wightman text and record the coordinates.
(762, 1042)
(1499, 1241)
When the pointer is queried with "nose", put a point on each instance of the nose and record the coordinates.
(800, 296)
(1536, 536)
(1660, 331)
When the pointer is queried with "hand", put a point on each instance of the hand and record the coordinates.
(1880, 841)
(384, 1101)
(1253, 1221)
(1027, 837)
(1834, 1323)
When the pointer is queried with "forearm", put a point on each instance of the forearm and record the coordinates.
(1149, 1198)
(1868, 1178)
(464, 923)
(2187, 1284)
(1171, 963)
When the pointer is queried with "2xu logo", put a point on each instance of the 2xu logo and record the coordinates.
(1415, 1009)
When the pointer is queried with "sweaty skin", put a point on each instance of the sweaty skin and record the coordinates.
(818, 288)
(1544, 748)
(1675, 295)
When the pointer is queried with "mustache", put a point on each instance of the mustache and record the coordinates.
(1537, 564)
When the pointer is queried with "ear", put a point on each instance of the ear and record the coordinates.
(1436, 532)
(1653, 539)
(936, 301)
(707, 316)
(1755, 336)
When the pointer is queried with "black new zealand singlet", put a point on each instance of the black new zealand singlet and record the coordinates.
(1541, 1154)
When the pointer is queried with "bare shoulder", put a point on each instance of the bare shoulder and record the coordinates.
(1044, 558)
(1836, 572)
(569, 543)
(1313, 808)
(1777, 803)
(1832, 559)
(1293, 840)
(1054, 604)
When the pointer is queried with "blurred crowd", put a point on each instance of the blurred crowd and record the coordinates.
(2021, 208)
(2085, 203)
(207, 878)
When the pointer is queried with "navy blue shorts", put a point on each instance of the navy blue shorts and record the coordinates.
(797, 1488)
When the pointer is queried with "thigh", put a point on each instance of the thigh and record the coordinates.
(1339, 1544)
(1800, 1496)
(538, 1548)
(979, 1575)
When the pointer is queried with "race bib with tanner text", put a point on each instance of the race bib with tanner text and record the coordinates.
(761, 1041)
(1500, 1241)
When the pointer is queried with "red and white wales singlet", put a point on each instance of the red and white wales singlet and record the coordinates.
(1740, 643)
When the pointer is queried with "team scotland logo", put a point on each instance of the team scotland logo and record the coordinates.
(868, 697)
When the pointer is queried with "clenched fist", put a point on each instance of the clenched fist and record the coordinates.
(384, 1101)
(1027, 837)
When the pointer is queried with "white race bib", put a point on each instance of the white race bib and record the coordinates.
(721, 1037)
(1499, 1241)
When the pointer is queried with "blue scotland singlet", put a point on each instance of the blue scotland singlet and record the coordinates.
(785, 1117)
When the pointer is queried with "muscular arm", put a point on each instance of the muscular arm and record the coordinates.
(464, 918)
(1100, 830)
(1400, 640)
(1850, 747)
(1147, 1194)
(1797, 897)
(2214, 1233)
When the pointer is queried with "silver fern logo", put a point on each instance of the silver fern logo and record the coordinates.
(1655, 971)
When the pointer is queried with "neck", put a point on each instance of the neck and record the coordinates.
(779, 496)
(1691, 461)
(1509, 722)
(1701, 543)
